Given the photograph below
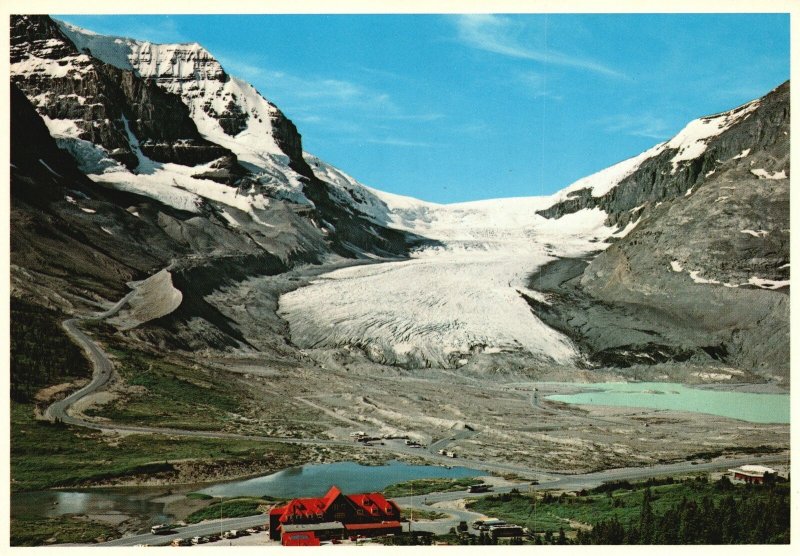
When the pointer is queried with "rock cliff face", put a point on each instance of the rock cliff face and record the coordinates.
(149, 107)
(105, 103)
(703, 272)
(226, 110)
(706, 146)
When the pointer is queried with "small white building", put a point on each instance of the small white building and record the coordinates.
(751, 473)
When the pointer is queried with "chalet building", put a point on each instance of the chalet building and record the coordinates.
(335, 516)
(755, 474)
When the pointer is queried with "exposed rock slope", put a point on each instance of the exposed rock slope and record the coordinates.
(103, 103)
(703, 273)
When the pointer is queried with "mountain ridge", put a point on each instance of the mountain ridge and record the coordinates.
(230, 194)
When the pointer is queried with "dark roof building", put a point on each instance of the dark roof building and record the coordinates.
(336, 514)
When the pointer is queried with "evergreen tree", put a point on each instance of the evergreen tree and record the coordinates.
(646, 519)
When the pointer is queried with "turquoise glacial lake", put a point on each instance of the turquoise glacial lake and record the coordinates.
(350, 477)
(745, 406)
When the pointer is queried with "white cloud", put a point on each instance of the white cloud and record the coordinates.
(536, 85)
(342, 108)
(427, 117)
(296, 92)
(642, 125)
(396, 142)
(473, 128)
(165, 31)
(338, 126)
(495, 33)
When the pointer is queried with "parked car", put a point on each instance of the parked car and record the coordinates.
(162, 529)
(478, 488)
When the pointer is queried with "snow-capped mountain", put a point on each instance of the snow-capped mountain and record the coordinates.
(227, 111)
(194, 169)
(167, 122)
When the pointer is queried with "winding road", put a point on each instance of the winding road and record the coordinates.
(103, 368)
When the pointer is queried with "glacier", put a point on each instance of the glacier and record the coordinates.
(451, 301)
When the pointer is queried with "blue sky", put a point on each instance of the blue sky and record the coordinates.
(452, 108)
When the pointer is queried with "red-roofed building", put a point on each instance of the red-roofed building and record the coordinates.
(368, 514)
(300, 539)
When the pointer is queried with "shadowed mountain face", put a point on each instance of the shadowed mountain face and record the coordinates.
(166, 120)
(129, 157)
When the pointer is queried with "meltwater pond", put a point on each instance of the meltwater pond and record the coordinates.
(350, 477)
(746, 406)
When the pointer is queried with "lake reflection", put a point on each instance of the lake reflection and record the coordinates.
(55, 503)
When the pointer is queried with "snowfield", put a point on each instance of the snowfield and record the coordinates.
(449, 302)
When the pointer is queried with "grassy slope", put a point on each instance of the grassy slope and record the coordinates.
(170, 391)
(41, 352)
(45, 455)
(236, 507)
(171, 395)
(419, 487)
(37, 531)
(625, 505)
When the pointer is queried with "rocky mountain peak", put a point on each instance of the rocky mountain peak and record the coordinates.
(672, 169)
(101, 113)
(223, 108)
(180, 61)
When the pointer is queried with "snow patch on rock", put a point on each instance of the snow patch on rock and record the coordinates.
(755, 233)
(765, 175)
(692, 140)
(767, 284)
(697, 279)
